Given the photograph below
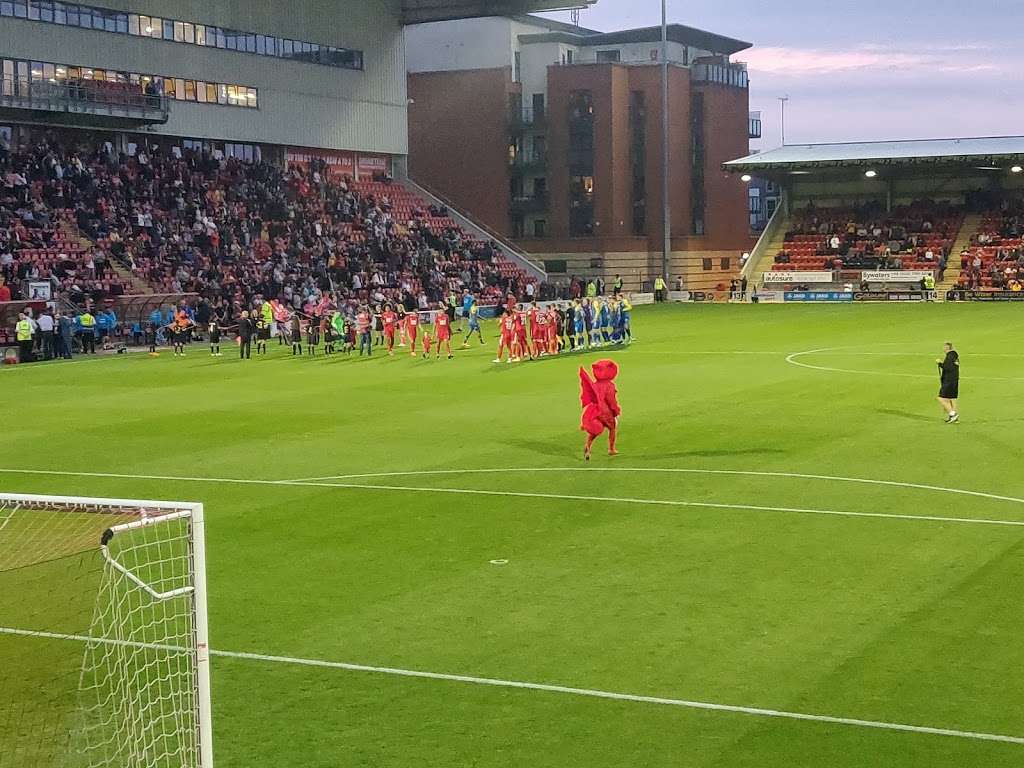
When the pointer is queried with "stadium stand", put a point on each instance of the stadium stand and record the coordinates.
(97, 225)
(914, 237)
(995, 257)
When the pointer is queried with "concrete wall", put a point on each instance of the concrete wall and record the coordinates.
(458, 140)
(300, 104)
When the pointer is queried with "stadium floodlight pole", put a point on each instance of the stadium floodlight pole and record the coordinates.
(782, 101)
(666, 244)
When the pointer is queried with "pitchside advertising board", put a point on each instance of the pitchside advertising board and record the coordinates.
(894, 276)
(798, 277)
(339, 163)
(844, 296)
(985, 296)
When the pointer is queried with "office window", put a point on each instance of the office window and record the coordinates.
(178, 31)
(190, 90)
(609, 56)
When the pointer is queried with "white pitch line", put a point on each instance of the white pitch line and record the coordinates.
(678, 470)
(792, 360)
(550, 688)
(570, 497)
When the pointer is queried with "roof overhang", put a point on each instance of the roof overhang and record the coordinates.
(677, 33)
(979, 153)
(425, 11)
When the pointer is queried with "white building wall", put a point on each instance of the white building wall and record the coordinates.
(456, 45)
(299, 104)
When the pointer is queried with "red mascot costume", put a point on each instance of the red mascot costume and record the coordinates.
(600, 404)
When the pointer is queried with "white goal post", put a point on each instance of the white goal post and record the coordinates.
(104, 647)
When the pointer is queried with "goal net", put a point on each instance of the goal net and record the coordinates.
(104, 660)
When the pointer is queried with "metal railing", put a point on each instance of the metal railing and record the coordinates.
(525, 117)
(529, 160)
(85, 97)
(530, 204)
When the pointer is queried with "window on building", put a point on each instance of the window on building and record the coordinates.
(177, 31)
(517, 76)
(540, 228)
(707, 265)
(570, 55)
(609, 56)
(538, 106)
(725, 264)
(18, 77)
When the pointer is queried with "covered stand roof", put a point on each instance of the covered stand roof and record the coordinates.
(984, 153)
(423, 11)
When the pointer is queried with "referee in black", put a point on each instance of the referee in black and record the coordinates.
(949, 382)
(245, 331)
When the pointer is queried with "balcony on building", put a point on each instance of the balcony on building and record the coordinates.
(530, 204)
(93, 103)
(526, 118)
(755, 125)
(720, 71)
(528, 161)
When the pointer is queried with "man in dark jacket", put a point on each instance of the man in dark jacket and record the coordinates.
(949, 382)
(245, 333)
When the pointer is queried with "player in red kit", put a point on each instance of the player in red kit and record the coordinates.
(554, 319)
(390, 321)
(533, 320)
(412, 324)
(539, 331)
(520, 347)
(443, 332)
(600, 404)
(507, 324)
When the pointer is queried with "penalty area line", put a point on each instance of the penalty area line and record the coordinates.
(552, 688)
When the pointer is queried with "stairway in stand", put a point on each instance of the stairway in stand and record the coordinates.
(972, 222)
(767, 259)
(134, 286)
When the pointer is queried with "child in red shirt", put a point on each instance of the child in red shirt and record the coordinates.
(412, 322)
(443, 332)
(390, 320)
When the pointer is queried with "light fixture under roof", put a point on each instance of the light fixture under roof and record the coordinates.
(871, 174)
(988, 168)
(799, 173)
(745, 177)
(1016, 169)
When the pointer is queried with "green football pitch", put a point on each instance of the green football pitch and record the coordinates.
(793, 561)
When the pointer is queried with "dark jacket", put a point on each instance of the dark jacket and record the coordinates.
(949, 368)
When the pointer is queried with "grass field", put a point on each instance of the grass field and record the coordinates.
(724, 557)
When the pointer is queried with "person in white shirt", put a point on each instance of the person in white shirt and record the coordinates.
(44, 328)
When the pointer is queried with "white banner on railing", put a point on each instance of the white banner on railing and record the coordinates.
(799, 277)
(894, 276)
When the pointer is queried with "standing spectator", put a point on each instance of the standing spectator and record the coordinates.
(87, 323)
(23, 332)
(5, 291)
(45, 325)
(659, 289)
(245, 331)
(65, 332)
